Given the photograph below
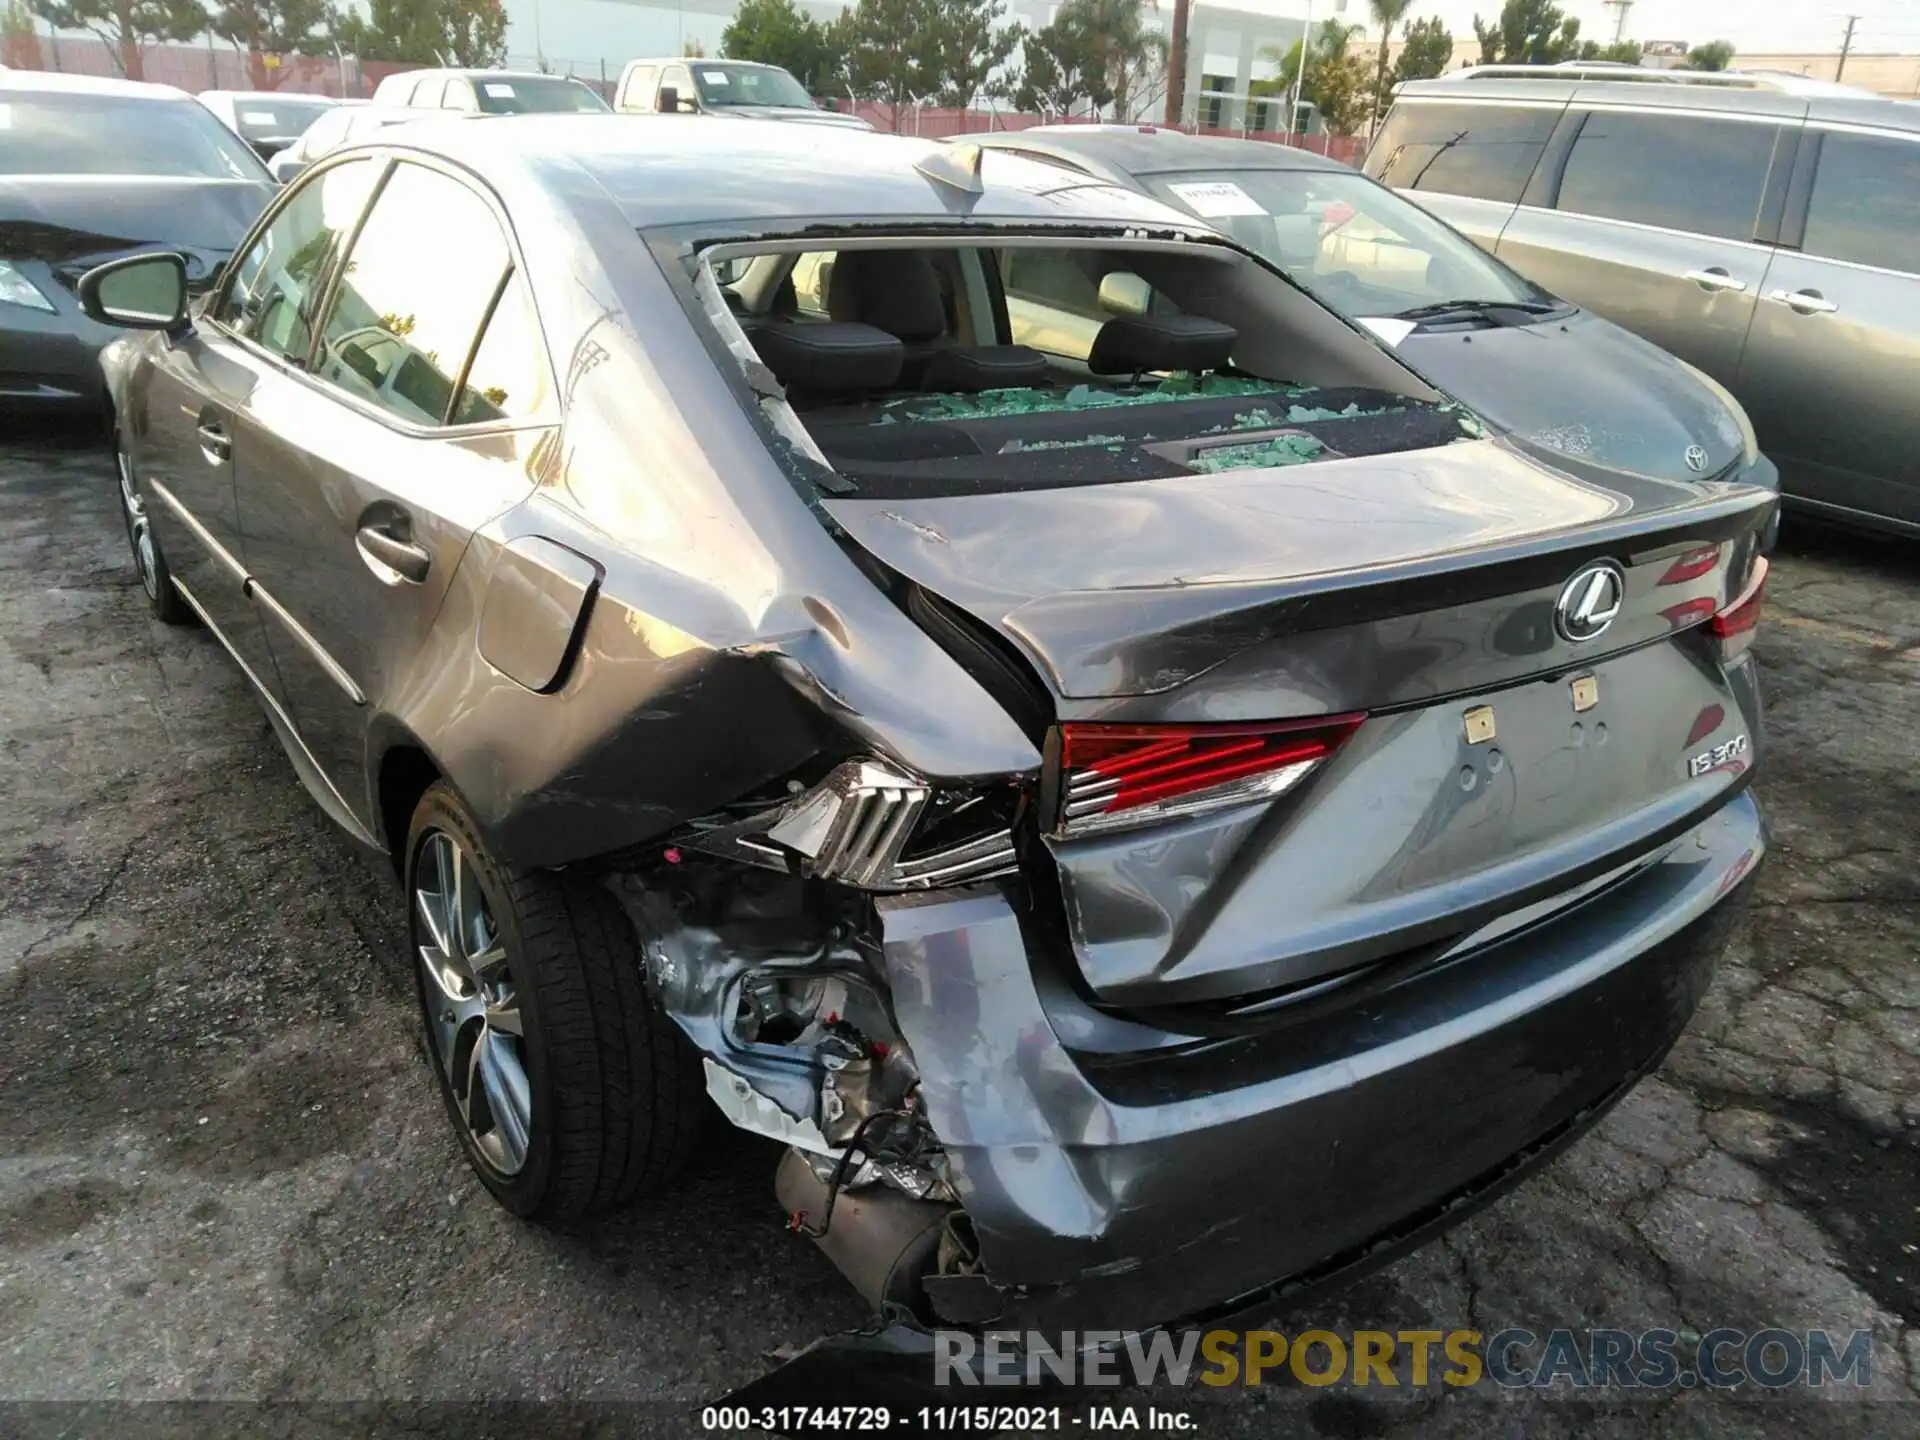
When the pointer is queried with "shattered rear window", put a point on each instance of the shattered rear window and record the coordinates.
(1072, 420)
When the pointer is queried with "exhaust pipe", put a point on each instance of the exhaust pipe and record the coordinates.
(884, 1242)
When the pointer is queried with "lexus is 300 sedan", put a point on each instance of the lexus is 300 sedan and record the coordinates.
(1141, 822)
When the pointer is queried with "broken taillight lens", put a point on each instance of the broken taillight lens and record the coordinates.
(1118, 777)
(1734, 626)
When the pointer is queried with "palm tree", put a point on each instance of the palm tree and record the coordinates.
(1125, 45)
(1386, 14)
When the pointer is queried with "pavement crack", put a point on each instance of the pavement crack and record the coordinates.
(89, 907)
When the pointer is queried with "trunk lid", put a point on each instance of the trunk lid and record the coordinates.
(1414, 587)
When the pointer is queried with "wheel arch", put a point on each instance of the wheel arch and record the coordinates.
(404, 773)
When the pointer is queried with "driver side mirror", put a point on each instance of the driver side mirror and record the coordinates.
(669, 102)
(1124, 293)
(138, 292)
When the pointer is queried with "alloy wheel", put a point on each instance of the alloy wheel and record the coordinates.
(472, 1003)
(139, 533)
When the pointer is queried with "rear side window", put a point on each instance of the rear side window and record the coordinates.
(415, 290)
(1866, 202)
(1486, 152)
(1705, 177)
(426, 95)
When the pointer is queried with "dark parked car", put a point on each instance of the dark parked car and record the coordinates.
(1534, 363)
(266, 120)
(1763, 227)
(89, 170)
(1140, 828)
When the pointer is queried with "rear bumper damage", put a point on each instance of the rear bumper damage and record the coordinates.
(1068, 1167)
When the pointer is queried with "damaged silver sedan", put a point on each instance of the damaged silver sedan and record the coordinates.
(1149, 817)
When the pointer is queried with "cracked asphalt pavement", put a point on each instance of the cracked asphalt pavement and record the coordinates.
(224, 1174)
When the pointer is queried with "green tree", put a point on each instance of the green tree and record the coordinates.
(1386, 14)
(1061, 67)
(1427, 47)
(455, 32)
(1126, 49)
(778, 32)
(1714, 55)
(972, 40)
(265, 28)
(893, 51)
(1620, 52)
(1335, 83)
(1528, 32)
(123, 26)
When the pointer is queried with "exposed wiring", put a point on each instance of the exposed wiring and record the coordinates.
(798, 1220)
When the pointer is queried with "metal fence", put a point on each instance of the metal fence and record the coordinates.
(220, 66)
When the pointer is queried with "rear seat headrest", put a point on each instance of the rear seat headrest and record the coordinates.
(1131, 344)
(830, 358)
(970, 369)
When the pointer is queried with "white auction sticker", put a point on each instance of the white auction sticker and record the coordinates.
(259, 117)
(497, 90)
(714, 77)
(1215, 199)
(1389, 329)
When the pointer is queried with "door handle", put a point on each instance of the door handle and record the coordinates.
(1715, 277)
(1804, 302)
(391, 557)
(215, 443)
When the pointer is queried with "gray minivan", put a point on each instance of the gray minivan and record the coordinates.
(1765, 228)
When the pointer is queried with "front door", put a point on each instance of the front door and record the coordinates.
(367, 475)
(1654, 228)
(1830, 366)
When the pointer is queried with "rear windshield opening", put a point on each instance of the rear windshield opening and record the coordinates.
(980, 368)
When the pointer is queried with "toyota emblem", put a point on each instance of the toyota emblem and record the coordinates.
(1589, 601)
(1696, 458)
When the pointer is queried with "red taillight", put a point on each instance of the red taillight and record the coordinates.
(1692, 565)
(1119, 776)
(1733, 627)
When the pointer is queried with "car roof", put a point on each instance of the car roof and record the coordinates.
(259, 95)
(665, 170)
(1152, 149)
(470, 74)
(1737, 92)
(53, 82)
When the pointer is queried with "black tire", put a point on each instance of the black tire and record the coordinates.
(150, 562)
(617, 1098)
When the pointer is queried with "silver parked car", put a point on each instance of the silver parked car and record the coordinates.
(1539, 366)
(1764, 228)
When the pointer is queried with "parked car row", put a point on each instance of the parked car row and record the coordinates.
(1765, 229)
(1040, 684)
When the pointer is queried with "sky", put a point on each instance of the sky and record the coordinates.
(1754, 26)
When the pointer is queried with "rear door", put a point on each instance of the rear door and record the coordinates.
(1657, 223)
(368, 472)
(1828, 374)
(1466, 161)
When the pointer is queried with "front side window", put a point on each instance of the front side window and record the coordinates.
(1866, 202)
(1486, 152)
(680, 82)
(416, 287)
(1678, 172)
(52, 134)
(1355, 245)
(276, 287)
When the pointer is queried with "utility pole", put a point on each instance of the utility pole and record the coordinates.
(1620, 9)
(1177, 64)
(1846, 44)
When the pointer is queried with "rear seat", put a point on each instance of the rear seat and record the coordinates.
(829, 360)
(899, 292)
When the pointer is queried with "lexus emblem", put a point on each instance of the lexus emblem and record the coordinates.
(1589, 601)
(1696, 458)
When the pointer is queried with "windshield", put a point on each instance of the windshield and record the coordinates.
(534, 95)
(1354, 244)
(114, 135)
(722, 85)
(276, 117)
